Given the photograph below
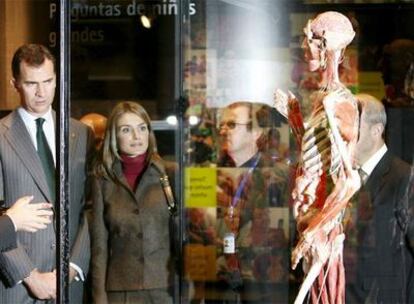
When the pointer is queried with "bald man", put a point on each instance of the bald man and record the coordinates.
(384, 254)
(97, 123)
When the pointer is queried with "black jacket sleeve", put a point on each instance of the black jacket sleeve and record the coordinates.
(7, 234)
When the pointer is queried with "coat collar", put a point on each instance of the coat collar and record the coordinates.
(377, 178)
(153, 162)
(155, 165)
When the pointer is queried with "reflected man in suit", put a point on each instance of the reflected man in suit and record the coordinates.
(27, 166)
(244, 207)
(384, 255)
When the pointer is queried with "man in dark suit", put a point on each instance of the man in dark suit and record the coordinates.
(27, 166)
(384, 262)
(22, 216)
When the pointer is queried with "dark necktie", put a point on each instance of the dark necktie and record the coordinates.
(363, 175)
(46, 157)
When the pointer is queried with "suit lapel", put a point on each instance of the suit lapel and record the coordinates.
(73, 140)
(20, 141)
(117, 166)
(146, 176)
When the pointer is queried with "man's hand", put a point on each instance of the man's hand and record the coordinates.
(42, 285)
(30, 217)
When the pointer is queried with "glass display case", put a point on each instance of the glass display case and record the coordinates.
(243, 51)
(206, 71)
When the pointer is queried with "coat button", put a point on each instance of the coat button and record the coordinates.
(53, 246)
(139, 235)
(136, 211)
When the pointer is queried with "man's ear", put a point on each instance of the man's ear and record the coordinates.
(13, 83)
(377, 130)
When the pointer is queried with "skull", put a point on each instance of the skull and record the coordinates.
(328, 32)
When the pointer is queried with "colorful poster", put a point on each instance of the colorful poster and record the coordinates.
(200, 187)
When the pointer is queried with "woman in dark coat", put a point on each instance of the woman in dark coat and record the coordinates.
(129, 229)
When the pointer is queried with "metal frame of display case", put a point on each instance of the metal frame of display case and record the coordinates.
(62, 160)
(63, 116)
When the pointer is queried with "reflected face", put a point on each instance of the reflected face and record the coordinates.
(36, 87)
(132, 135)
(236, 137)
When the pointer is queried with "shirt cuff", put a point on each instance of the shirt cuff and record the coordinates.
(80, 276)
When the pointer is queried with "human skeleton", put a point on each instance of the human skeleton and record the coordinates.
(327, 143)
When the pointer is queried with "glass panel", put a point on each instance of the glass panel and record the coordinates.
(127, 51)
(238, 184)
(237, 51)
(233, 51)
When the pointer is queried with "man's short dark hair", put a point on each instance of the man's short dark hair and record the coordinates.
(32, 54)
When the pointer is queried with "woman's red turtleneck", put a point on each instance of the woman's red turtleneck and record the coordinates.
(132, 168)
